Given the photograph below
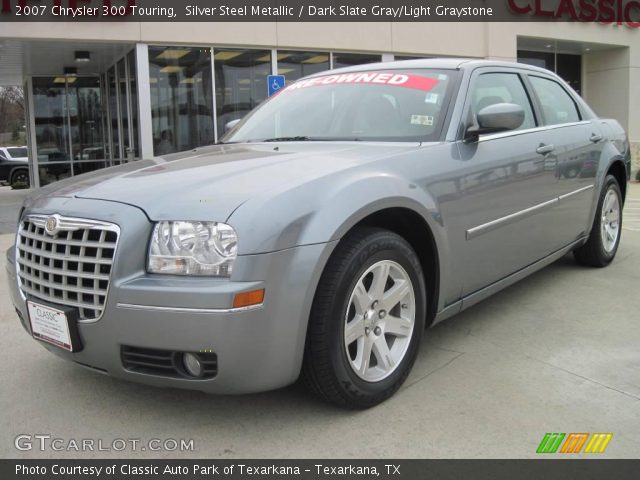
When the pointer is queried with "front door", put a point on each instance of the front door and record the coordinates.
(500, 219)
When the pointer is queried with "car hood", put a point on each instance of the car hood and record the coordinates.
(210, 183)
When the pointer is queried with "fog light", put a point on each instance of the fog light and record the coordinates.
(192, 364)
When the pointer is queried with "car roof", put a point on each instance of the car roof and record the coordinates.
(434, 63)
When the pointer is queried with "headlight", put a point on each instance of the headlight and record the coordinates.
(193, 248)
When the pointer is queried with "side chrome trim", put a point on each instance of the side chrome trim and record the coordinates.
(514, 217)
(575, 192)
(542, 128)
(493, 224)
(154, 308)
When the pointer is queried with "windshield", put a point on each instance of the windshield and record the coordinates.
(383, 105)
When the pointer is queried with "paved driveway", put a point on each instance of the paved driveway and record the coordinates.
(10, 203)
(558, 352)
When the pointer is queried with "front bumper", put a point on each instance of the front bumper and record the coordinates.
(257, 348)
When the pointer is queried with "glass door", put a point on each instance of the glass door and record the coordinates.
(85, 123)
(52, 149)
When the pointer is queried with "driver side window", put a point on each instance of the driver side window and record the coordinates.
(492, 88)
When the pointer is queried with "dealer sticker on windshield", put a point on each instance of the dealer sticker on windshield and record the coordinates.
(49, 325)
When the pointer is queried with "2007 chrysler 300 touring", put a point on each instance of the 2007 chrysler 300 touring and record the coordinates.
(325, 231)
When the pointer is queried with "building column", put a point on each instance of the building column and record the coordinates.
(34, 175)
(145, 127)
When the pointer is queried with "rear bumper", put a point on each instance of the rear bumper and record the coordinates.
(258, 348)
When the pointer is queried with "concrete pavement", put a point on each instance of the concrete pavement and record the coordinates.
(10, 203)
(557, 352)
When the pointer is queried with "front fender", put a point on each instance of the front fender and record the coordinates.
(325, 209)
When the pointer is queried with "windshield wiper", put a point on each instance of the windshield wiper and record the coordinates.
(300, 138)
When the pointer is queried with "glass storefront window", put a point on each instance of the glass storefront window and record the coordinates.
(241, 82)
(124, 110)
(408, 57)
(295, 65)
(349, 59)
(568, 66)
(69, 115)
(113, 113)
(51, 128)
(538, 59)
(133, 100)
(85, 119)
(181, 98)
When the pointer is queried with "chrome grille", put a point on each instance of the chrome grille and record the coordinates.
(70, 266)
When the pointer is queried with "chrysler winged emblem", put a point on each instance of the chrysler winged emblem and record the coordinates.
(51, 225)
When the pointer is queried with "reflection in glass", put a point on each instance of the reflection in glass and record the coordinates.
(241, 82)
(85, 114)
(133, 91)
(538, 59)
(409, 57)
(113, 113)
(295, 65)
(51, 128)
(569, 68)
(349, 59)
(181, 99)
(124, 110)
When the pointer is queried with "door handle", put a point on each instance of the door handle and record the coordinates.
(545, 149)
(595, 138)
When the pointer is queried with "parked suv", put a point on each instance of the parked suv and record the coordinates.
(14, 166)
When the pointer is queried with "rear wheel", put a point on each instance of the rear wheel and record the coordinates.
(604, 239)
(367, 320)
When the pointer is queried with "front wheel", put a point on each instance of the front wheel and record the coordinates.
(602, 245)
(367, 320)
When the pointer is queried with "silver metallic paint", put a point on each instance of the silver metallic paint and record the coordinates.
(290, 207)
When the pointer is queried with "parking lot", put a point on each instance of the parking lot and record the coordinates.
(557, 352)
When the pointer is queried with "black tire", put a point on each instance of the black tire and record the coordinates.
(20, 176)
(593, 253)
(326, 370)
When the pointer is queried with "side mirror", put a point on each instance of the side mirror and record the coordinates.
(229, 125)
(495, 118)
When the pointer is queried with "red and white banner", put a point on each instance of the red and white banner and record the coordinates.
(416, 82)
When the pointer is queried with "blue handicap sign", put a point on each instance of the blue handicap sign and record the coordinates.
(275, 83)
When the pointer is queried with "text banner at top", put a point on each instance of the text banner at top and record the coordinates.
(615, 12)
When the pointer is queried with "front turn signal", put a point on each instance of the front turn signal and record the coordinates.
(248, 299)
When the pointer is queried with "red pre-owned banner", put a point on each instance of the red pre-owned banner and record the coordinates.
(416, 82)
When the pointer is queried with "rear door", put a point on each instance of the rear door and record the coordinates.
(577, 148)
(500, 220)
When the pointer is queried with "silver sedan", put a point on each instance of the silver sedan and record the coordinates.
(324, 233)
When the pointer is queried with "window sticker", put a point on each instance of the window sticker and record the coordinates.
(422, 120)
(416, 82)
(431, 98)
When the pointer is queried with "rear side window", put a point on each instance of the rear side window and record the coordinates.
(17, 152)
(557, 105)
(492, 88)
